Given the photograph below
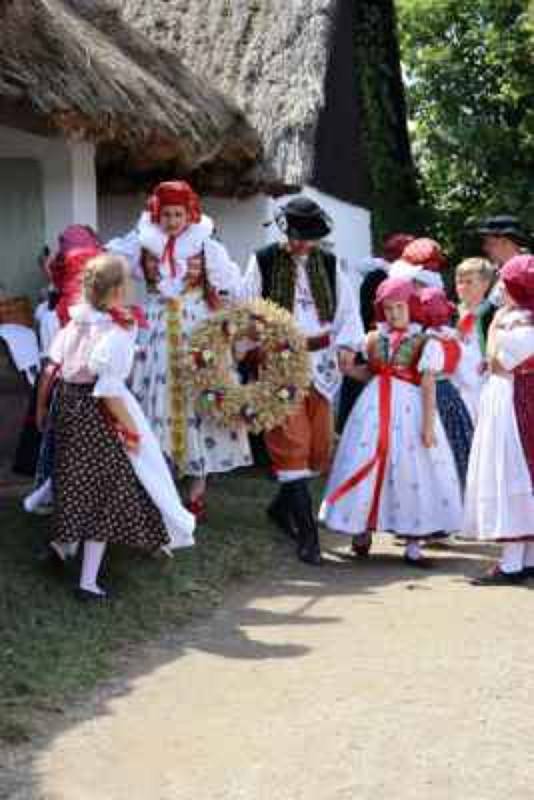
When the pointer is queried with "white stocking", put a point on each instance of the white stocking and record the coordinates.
(93, 552)
(512, 557)
(413, 551)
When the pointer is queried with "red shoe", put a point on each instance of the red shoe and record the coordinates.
(197, 507)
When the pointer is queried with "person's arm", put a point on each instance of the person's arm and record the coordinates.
(126, 427)
(428, 389)
(43, 393)
(111, 362)
(347, 329)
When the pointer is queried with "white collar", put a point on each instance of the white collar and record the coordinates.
(188, 244)
(85, 314)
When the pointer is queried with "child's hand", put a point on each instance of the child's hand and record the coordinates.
(429, 438)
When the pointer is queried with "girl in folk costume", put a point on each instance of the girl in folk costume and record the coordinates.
(499, 503)
(394, 470)
(68, 268)
(112, 484)
(445, 351)
(194, 274)
(474, 279)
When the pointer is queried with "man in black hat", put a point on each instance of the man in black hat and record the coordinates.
(304, 277)
(503, 238)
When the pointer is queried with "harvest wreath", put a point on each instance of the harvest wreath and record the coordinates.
(280, 354)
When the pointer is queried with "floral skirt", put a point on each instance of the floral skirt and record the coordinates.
(97, 494)
(524, 411)
(458, 425)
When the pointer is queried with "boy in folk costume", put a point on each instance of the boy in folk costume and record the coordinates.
(499, 503)
(394, 470)
(474, 278)
(194, 274)
(302, 277)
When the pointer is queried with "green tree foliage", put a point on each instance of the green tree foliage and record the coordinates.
(469, 68)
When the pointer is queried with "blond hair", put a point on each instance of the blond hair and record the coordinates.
(102, 274)
(478, 266)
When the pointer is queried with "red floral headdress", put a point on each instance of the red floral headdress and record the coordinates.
(70, 281)
(518, 277)
(397, 290)
(174, 193)
(436, 309)
(425, 253)
(395, 245)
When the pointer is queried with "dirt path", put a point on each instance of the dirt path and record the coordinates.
(357, 681)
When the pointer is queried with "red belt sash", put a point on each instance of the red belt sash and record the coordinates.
(385, 372)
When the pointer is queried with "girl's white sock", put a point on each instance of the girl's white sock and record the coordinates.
(413, 551)
(93, 553)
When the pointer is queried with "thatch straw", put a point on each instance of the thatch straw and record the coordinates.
(92, 76)
(270, 56)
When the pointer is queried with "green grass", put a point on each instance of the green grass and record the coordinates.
(53, 648)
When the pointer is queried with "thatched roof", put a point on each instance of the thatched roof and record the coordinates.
(301, 70)
(76, 65)
(270, 56)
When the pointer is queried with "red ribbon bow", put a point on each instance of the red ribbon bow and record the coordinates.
(128, 317)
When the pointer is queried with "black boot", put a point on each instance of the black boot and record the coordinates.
(308, 549)
(280, 512)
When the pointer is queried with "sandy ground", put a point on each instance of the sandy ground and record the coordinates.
(360, 680)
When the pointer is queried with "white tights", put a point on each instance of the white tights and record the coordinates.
(516, 556)
(93, 553)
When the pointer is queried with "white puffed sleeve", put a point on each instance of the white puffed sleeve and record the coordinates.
(111, 361)
(56, 350)
(223, 274)
(251, 287)
(432, 358)
(515, 346)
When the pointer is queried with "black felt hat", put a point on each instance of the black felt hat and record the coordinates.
(507, 226)
(302, 219)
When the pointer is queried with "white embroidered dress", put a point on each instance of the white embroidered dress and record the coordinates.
(499, 502)
(420, 493)
(210, 448)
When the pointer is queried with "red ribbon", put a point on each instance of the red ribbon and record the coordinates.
(127, 317)
(385, 375)
(466, 324)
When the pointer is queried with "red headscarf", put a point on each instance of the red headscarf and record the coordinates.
(394, 246)
(518, 277)
(74, 237)
(71, 281)
(174, 193)
(425, 253)
(396, 290)
(436, 309)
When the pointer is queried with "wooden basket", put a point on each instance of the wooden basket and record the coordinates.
(16, 311)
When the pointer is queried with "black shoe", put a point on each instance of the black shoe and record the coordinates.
(361, 545)
(279, 513)
(419, 563)
(312, 557)
(528, 572)
(496, 577)
(85, 596)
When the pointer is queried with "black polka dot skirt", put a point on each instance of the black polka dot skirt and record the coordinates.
(97, 493)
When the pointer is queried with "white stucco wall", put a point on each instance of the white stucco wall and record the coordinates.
(241, 224)
(69, 177)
